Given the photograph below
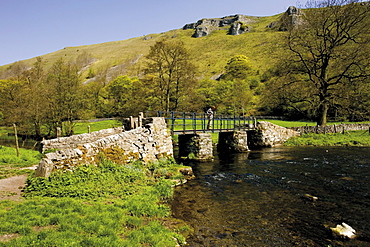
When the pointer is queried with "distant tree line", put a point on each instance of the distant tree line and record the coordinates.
(323, 73)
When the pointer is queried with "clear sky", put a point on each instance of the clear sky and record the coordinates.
(31, 28)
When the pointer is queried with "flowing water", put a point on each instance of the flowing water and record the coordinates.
(265, 198)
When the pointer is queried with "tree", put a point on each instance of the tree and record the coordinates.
(170, 75)
(330, 48)
(238, 67)
(126, 96)
(65, 96)
(34, 96)
(23, 97)
(235, 91)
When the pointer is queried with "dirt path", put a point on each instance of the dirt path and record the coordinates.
(11, 188)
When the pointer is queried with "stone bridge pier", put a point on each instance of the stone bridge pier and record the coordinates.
(199, 146)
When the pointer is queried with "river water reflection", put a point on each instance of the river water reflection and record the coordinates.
(260, 198)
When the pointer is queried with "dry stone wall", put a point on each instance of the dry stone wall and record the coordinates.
(269, 135)
(76, 140)
(331, 128)
(149, 142)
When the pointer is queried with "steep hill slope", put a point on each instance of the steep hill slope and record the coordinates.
(254, 38)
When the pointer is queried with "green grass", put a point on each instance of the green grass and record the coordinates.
(11, 165)
(217, 48)
(82, 127)
(351, 138)
(288, 124)
(108, 205)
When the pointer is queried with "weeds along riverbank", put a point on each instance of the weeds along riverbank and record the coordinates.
(348, 138)
(104, 205)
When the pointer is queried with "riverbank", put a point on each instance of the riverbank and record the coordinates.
(347, 138)
(108, 205)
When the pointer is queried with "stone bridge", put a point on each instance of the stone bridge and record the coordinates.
(264, 134)
(148, 139)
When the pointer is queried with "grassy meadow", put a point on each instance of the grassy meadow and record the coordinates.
(11, 164)
(104, 205)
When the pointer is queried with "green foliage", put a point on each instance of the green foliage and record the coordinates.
(326, 60)
(238, 67)
(352, 138)
(88, 181)
(126, 96)
(11, 164)
(170, 74)
(126, 208)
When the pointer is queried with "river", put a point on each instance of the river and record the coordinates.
(266, 197)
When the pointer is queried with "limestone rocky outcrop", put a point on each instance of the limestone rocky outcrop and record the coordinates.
(292, 17)
(235, 24)
(238, 28)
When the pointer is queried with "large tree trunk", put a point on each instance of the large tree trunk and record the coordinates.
(322, 114)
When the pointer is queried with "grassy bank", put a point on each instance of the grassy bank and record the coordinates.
(104, 205)
(11, 164)
(351, 138)
(80, 128)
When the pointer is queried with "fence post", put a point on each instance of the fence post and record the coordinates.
(132, 123)
(59, 132)
(173, 122)
(194, 122)
(140, 119)
(183, 122)
(204, 122)
(16, 139)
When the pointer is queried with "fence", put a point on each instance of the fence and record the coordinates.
(193, 122)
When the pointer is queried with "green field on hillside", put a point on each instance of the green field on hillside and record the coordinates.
(210, 53)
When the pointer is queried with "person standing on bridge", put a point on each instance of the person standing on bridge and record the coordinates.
(210, 113)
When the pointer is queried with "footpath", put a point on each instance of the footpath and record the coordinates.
(11, 188)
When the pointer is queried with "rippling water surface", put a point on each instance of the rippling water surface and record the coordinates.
(263, 198)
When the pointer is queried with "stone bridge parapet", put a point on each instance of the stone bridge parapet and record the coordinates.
(267, 134)
(74, 141)
(148, 142)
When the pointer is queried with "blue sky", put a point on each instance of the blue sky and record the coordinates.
(31, 28)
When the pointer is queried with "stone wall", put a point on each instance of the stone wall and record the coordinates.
(233, 141)
(149, 142)
(76, 140)
(331, 128)
(269, 135)
(196, 146)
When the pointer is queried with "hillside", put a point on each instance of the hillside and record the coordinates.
(210, 53)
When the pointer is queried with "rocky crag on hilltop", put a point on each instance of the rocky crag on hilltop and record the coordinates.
(239, 24)
(235, 24)
(291, 17)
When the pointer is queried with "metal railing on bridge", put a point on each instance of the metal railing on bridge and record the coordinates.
(194, 122)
